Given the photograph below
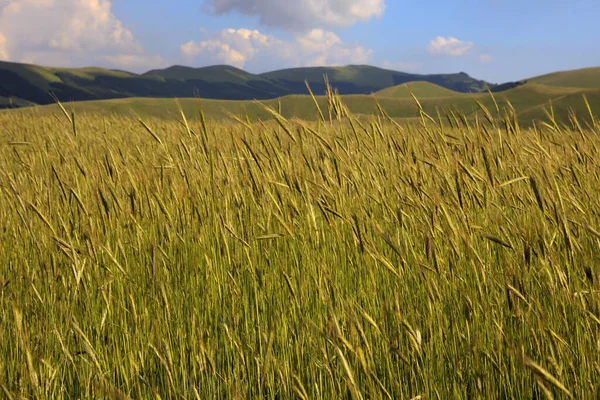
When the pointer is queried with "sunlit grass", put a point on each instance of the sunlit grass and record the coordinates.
(144, 258)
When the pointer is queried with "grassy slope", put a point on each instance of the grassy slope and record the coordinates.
(34, 83)
(370, 79)
(42, 77)
(358, 74)
(529, 100)
(215, 73)
(562, 106)
(580, 78)
(420, 89)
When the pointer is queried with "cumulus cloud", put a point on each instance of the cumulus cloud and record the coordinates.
(450, 46)
(251, 49)
(64, 32)
(302, 15)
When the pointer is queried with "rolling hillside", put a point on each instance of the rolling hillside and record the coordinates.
(215, 73)
(34, 83)
(149, 94)
(564, 104)
(365, 79)
(420, 89)
(588, 78)
(584, 78)
(529, 100)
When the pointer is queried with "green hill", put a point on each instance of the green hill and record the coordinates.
(588, 78)
(420, 89)
(215, 73)
(226, 90)
(529, 100)
(584, 78)
(365, 79)
(34, 83)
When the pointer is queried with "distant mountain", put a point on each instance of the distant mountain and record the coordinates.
(23, 84)
(365, 79)
(215, 73)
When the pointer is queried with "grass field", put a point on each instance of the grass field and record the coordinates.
(182, 258)
(530, 101)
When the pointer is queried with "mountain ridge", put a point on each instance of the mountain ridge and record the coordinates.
(27, 84)
(34, 83)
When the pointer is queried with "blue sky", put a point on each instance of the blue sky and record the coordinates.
(496, 40)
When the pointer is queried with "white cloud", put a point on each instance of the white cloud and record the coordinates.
(251, 49)
(65, 32)
(216, 51)
(485, 58)
(302, 15)
(450, 46)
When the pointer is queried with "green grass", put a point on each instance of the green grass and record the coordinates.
(563, 106)
(421, 90)
(90, 73)
(42, 77)
(529, 100)
(356, 78)
(335, 259)
(588, 78)
(356, 74)
(34, 83)
(216, 73)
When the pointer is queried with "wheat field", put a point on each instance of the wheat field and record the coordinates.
(343, 258)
